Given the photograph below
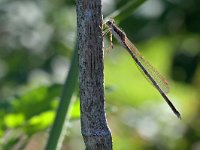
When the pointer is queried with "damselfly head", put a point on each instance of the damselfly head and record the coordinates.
(110, 22)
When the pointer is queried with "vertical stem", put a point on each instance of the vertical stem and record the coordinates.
(94, 127)
(55, 139)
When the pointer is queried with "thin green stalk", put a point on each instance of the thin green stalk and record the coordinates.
(125, 10)
(68, 90)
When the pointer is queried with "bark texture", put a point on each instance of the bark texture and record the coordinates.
(94, 127)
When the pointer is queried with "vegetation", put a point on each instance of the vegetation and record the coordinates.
(37, 39)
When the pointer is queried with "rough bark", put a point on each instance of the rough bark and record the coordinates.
(94, 127)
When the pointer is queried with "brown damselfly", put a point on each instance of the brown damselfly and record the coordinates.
(158, 81)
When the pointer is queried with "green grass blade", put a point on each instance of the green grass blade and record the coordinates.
(68, 90)
(125, 10)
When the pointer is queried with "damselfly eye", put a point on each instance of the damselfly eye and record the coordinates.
(108, 22)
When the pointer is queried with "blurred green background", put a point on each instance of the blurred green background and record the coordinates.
(36, 45)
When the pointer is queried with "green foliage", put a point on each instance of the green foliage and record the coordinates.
(36, 45)
(13, 120)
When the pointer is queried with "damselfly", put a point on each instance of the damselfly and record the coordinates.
(158, 81)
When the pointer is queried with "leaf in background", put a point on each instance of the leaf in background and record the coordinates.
(13, 120)
(36, 101)
(75, 112)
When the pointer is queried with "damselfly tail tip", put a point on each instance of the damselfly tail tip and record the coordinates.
(178, 114)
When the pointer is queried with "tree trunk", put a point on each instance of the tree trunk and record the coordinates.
(94, 127)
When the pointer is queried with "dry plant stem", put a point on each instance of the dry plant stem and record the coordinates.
(94, 127)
